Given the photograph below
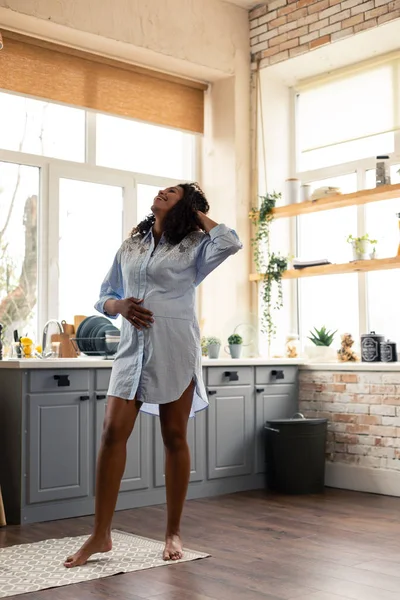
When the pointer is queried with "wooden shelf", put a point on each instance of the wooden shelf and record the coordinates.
(360, 266)
(384, 192)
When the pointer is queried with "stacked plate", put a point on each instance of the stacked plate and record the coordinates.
(94, 334)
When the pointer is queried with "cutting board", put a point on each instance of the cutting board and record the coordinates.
(67, 349)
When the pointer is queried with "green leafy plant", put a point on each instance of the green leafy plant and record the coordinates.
(276, 267)
(322, 337)
(262, 217)
(271, 265)
(204, 349)
(213, 340)
(358, 242)
(235, 338)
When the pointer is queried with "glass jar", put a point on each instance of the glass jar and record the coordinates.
(382, 171)
(292, 346)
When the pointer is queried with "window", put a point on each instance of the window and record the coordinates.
(145, 197)
(57, 241)
(43, 128)
(382, 225)
(90, 233)
(142, 148)
(342, 124)
(347, 119)
(19, 194)
(323, 235)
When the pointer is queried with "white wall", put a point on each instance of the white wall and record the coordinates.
(204, 39)
(275, 160)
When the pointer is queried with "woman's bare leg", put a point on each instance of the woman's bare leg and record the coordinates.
(118, 425)
(174, 419)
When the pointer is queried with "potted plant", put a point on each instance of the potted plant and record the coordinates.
(321, 350)
(213, 347)
(271, 265)
(235, 342)
(363, 247)
(204, 349)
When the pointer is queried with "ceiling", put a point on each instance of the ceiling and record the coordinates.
(244, 3)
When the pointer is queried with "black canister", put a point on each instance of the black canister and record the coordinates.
(388, 351)
(371, 347)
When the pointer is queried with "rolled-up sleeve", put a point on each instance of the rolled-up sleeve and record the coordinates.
(220, 243)
(112, 287)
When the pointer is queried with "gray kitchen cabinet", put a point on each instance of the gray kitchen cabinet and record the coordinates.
(58, 446)
(196, 435)
(230, 431)
(137, 469)
(51, 422)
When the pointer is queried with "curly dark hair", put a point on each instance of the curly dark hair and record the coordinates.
(182, 218)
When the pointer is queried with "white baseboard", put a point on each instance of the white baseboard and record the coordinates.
(362, 479)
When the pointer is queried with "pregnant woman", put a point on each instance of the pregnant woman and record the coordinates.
(157, 368)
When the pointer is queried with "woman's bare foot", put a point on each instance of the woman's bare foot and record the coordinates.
(173, 547)
(93, 545)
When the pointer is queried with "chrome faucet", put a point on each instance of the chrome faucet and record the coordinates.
(46, 354)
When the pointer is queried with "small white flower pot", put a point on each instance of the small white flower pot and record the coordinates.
(321, 354)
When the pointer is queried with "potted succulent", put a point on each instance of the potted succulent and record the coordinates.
(213, 347)
(235, 342)
(363, 247)
(321, 350)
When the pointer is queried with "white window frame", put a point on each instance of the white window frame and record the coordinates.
(51, 170)
(360, 167)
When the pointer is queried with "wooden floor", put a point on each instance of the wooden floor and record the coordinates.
(341, 545)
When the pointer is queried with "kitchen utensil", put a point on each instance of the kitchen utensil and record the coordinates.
(370, 347)
(66, 349)
(292, 191)
(67, 328)
(55, 349)
(388, 351)
(17, 346)
(78, 319)
(87, 332)
(113, 336)
(305, 192)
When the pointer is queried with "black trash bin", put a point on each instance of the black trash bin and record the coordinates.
(295, 453)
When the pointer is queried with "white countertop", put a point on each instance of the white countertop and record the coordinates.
(350, 366)
(99, 363)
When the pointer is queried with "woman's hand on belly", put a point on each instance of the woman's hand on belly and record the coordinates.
(132, 311)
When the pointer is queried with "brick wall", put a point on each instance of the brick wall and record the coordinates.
(283, 29)
(363, 409)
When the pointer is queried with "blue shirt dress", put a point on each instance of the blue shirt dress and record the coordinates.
(156, 365)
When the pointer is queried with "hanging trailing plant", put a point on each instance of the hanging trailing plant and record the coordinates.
(262, 218)
(271, 265)
(277, 265)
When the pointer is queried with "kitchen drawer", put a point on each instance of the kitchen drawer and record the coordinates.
(229, 375)
(276, 375)
(102, 379)
(60, 380)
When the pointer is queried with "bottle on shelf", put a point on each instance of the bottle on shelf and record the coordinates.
(382, 171)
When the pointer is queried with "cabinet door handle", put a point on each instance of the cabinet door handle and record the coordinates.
(83, 398)
(212, 392)
(233, 375)
(259, 390)
(278, 374)
(62, 380)
(101, 396)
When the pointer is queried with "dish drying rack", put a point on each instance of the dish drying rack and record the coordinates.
(100, 353)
